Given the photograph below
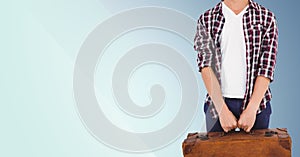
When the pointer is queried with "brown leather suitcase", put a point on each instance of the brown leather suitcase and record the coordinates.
(258, 143)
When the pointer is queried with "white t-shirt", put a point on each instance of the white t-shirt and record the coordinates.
(233, 49)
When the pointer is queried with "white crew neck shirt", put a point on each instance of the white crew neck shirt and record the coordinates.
(233, 49)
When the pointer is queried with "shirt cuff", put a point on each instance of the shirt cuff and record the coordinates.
(266, 73)
(204, 61)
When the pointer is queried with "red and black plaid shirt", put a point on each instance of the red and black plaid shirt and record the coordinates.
(261, 38)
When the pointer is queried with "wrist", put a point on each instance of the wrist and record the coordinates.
(223, 108)
(252, 107)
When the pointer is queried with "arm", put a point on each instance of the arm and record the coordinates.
(213, 88)
(247, 118)
(206, 49)
(227, 120)
(260, 88)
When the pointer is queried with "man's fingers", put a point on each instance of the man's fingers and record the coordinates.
(227, 129)
(230, 127)
(242, 126)
(234, 126)
(246, 128)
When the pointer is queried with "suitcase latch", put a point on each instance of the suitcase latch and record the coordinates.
(270, 133)
(203, 137)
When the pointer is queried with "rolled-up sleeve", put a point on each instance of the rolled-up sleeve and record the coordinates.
(269, 49)
(203, 45)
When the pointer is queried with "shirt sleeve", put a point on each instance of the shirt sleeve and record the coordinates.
(203, 44)
(269, 49)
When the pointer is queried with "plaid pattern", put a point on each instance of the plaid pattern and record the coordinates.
(261, 38)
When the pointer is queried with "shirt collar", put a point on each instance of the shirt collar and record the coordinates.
(218, 8)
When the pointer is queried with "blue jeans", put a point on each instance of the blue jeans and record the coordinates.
(234, 105)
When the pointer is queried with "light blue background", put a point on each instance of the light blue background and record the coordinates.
(40, 41)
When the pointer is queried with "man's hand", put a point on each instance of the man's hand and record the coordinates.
(227, 119)
(247, 119)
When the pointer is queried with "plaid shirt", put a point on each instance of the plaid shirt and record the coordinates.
(261, 38)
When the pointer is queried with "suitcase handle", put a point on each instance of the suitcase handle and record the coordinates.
(204, 137)
(233, 132)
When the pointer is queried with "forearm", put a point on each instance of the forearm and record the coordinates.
(260, 87)
(213, 88)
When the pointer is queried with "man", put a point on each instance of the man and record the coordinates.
(237, 43)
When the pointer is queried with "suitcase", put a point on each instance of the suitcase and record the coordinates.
(257, 143)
